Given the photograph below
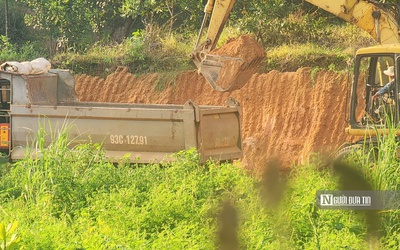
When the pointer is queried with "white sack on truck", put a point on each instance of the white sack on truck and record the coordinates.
(35, 67)
(40, 66)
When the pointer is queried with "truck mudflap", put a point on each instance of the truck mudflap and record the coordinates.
(143, 133)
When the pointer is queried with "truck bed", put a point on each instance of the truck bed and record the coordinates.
(145, 133)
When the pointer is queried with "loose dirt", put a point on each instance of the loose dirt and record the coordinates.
(284, 114)
(240, 58)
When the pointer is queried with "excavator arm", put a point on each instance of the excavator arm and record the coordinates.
(380, 20)
(224, 73)
(220, 10)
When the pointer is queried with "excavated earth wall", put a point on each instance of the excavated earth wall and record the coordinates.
(284, 114)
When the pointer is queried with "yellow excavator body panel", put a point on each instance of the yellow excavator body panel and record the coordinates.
(387, 48)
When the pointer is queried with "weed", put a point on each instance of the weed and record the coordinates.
(8, 236)
(379, 164)
(314, 73)
(292, 57)
(71, 197)
(8, 51)
(166, 79)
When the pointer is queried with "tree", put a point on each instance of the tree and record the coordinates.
(6, 16)
(72, 23)
(177, 14)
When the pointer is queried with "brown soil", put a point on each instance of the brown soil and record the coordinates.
(284, 114)
(235, 73)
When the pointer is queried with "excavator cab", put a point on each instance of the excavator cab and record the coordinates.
(368, 113)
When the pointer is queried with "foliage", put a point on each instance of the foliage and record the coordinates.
(175, 13)
(169, 54)
(73, 198)
(150, 36)
(6, 48)
(277, 22)
(315, 228)
(68, 22)
(292, 57)
(76, 25)
(10, 52)
(18, 32)
(7, 242)
(378, 162)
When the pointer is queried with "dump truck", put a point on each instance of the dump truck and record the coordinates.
(142, 133)
(368, 116)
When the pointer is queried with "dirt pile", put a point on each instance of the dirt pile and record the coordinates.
(240, 58)
(287, 115)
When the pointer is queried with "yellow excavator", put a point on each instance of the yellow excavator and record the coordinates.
(368, 115)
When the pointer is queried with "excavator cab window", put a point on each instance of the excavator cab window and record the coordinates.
(369, 108)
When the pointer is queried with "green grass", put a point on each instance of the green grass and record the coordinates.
(293, 57)
(163, 52)
(73, 198)
(142, 53)
(379, 165)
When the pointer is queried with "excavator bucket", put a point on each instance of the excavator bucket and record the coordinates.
(230, 72)
(231, 66)
(215, 68)
(227, 73)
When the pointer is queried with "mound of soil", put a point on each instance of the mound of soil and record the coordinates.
(244, 47)
(240, 58)
(284, 114)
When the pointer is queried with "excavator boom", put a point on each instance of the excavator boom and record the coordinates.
(380, 20)
(224, 73)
